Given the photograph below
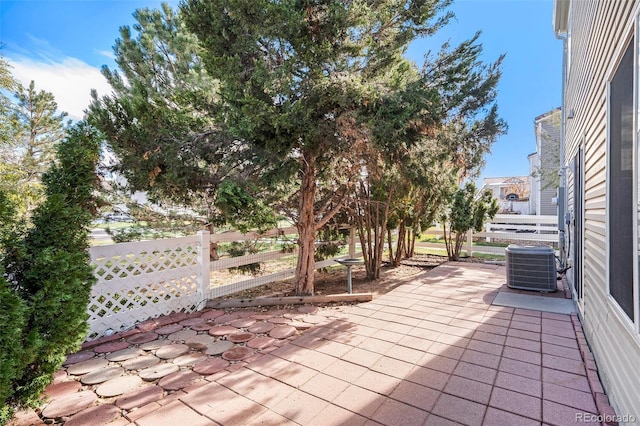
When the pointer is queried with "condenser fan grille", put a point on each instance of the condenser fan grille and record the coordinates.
(531, 268)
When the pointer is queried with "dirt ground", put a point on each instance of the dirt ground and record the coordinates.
(334, 280)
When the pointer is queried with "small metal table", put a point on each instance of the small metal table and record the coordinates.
(349, 262)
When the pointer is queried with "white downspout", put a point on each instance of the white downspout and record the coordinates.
(562, 196)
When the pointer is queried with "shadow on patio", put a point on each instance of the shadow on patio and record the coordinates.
(434, 350)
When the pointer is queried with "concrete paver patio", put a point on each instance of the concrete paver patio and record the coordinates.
(433, 351)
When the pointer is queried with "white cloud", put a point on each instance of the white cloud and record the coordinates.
(69, 79)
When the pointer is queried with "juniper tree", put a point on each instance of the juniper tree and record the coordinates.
(307, 82)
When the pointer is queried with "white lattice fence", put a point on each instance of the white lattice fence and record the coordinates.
(142, 280)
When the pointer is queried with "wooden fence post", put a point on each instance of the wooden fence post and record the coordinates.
(204, 280)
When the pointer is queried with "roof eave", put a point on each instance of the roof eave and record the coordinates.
(560, 16)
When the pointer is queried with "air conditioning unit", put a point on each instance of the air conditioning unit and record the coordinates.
(531, 268)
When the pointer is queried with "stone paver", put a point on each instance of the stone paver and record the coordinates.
(172, 351)
(69, 404)
(282, 332)
(79, 357)
(200, 341)
(261, 327)
(88, 366)
(158, 372)
(432, 351)
(102, 375)
(240, 337)
(211, 366)
(140, 362)
(98, 415)
(118, 386)
(178, 380)
(139, 397)
(124, 354)
(111, 347)
(238, 353)
(141, 338)
(56, 390)
(190, 359)
(218, 347)
(169, 329)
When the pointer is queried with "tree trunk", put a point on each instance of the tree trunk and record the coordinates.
(305, 266)
(400, 246)
(411, 243)
(390, 245)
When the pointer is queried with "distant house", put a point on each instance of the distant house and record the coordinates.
(544, 164)
(600, 158)
(512, 193)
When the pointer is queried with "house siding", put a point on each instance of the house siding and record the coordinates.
(599, 31)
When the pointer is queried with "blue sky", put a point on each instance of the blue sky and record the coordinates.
(61, 44)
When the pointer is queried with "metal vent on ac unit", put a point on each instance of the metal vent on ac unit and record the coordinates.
(531, 268)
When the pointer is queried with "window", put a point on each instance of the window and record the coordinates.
(620, 186)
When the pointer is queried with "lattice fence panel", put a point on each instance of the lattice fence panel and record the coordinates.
(142, 280)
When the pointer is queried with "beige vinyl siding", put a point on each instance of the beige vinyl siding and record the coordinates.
(599, 32)
(546, 205)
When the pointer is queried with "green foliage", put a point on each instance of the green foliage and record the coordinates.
(332, 240)
(157, 119)
(12, 314)
(467, 209)
(242, 248)
(241, 210)
(50, 272)
(33, 127)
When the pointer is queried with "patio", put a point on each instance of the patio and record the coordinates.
(433, 351)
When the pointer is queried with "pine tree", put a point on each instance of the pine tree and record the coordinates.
(34, 126)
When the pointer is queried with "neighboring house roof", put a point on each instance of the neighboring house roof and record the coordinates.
(547, 114)
(505, 180)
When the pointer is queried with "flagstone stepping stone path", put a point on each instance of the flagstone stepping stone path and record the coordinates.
(69, 404)
(110, 347)
(59, 389)
(141, 338)
(158, 371)
(118, 386)
(199, 342)
(213, 314)
(219, 347)
(102, 375)
(87, 366)
(79, 357)
(282, 332)
(155, 344)
(124, 354)
(190, 322)
(205, 326)
(240, 337)
(261, 342)
(238, 353)
(242, 323)
(179, 380)
(98, 415)
(169, 329)
(141, 362)
(261, 327)
(223, 330)
(182, 335)
(190, 359)
(119, 374)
